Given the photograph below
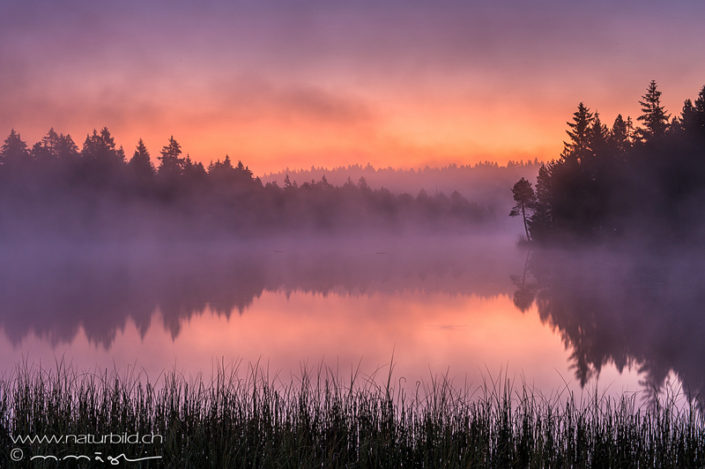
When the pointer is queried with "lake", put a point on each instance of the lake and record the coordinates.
(470, 308)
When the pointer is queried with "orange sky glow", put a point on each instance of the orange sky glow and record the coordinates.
(331, 84)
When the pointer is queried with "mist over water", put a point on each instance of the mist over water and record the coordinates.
(467, 305)
(52, 292)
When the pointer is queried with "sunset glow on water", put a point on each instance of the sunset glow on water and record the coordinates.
(469, 338)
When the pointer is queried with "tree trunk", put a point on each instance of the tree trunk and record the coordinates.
(526, 228)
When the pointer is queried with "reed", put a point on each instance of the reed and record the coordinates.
(245, 418)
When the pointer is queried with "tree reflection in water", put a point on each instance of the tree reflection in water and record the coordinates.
(623, 307)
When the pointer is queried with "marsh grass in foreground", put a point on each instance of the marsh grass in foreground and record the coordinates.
(318, 420)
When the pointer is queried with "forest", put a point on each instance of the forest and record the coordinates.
(55, 189)
(485, 182)
(642, 181)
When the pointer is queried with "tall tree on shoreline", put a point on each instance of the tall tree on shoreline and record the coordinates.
(579, 133)
(525, 199)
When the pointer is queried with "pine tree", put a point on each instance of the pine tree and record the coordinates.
(618, 139)
(107, 139)
(47, 148)
(631, 131)
(540, 224)
(194, 173)
(597, 136)
(244, 173)
(14, 150)
(171, 163)
(686, 124)
(700, 112)
(140, 163)
(578, 131)
(525, 200)
(654, 117)
(67, 149)
(101, 147)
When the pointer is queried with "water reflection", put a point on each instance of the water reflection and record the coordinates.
(53, 293)
(441, 301)
(625, 308)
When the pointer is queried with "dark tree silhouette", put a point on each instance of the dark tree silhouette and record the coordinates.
(700, 112)
(616, 183)
(141, 169)
(171, 163)
(54, 191)
(579, 133)
(46, 149)
(597, 137)
(525, 201)
(140, 161)
(619, 138)
(14, 149)
(654, 115)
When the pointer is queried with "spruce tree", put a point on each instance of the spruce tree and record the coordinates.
(578, 132)
(686, 122)
(171, 163)
(618, 139)
(654, 117)
(14, 150)
(67, 149)
(597, 136)
(700, 112)
(140, 163)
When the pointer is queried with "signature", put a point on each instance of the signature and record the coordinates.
(17, 455)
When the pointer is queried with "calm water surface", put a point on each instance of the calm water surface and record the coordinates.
(471, 308)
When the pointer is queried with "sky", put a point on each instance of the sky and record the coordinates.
(302, 83)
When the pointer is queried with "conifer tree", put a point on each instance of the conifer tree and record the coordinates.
(47, 148)
(700, 112)
(578, 132)
(597, 136)
(66, 149)
(618, 139)
(140, 163)
(525, 199)
(101, 147)
(13, 150)
(685, 124)
(654, 117)
(171, 163)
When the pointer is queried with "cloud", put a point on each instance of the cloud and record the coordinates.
(251, 98)
(318, 104)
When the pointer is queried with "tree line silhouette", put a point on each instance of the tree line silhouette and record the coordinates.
(483, 182)
(55, 188)
(645, 181)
